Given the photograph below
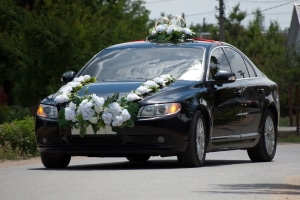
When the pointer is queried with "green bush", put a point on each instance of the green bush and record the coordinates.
(10, 113)
(18, 137)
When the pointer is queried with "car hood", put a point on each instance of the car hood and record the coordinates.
(171, 93)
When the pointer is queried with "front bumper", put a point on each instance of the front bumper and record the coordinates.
(155, 137)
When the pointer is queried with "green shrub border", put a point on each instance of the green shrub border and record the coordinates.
(17, 139)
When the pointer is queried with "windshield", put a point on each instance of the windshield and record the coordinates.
(147, 63)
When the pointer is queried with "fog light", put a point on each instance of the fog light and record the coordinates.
(44, 140)
(160, 139)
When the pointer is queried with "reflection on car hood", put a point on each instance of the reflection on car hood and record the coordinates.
(173, 92)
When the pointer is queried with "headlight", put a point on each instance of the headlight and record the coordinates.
(47, 111)
(159, 110)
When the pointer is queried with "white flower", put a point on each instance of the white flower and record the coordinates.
(151, 84)
(70, 112)
(86, 110)
(98, 109)
(62, 98)
(115, 108)
(165, 76)
(132, 97)
(159, 80)
(86, 77)
(187, 31)
(99, 101)
(79, 79)
(125, 115)
(94, 120)
(171, 29)
(107, 117)
(74, 84)
(117, 121)
(153, 32)
(161, 28)
(142, 90)
(66, 89)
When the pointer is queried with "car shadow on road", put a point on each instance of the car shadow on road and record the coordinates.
(148, 165)
(257, 188)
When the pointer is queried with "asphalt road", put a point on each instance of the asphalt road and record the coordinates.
(226, 175)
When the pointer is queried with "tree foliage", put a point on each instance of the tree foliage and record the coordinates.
(41, 39)
(266, 47)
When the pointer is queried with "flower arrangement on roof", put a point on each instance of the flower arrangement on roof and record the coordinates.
(83, 111)
(170, 30)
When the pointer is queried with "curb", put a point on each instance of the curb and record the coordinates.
(287, 131)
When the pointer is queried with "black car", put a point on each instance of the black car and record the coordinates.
(214, 99)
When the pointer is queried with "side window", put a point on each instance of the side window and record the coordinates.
(250, 69)
(218, 61)
(237, 63)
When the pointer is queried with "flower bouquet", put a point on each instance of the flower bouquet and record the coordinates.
(83, 111)
(170, 30)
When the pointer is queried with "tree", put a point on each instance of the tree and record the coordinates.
(40, 43)
(233, 28)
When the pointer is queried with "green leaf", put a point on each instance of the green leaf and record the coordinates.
(129, 123)
(62, 122)
(83, 126)
(76, 100)
(111, 99)
(96, 128)
(115, 129)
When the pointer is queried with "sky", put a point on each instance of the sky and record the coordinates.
(196, 11)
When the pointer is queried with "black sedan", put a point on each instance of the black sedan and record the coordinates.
(208, 97)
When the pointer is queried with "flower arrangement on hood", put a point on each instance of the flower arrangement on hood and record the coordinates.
(170, 30)
(83, 111)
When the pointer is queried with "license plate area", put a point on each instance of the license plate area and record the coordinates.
(89, 131)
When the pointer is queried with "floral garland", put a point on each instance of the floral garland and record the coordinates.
(82, 111)
(172, 30)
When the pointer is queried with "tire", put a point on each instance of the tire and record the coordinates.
(194, 155)
(138, 158)
(55, 160)
(265, 150)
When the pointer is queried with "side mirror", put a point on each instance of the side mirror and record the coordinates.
(223, 77)
(67, 76)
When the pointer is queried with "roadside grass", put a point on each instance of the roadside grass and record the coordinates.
(290, 137)
(7, 153)
(285, 121)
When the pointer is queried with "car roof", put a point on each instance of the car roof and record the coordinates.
(195, 43)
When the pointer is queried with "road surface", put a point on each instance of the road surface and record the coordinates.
(226, 175)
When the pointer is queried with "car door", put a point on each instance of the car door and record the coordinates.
(251, 96)
(225, 101)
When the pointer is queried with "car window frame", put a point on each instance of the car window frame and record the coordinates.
(247, 61)
(233, 66)
(209, 60)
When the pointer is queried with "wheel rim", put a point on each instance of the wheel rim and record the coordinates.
(200, 139)
(269, 135)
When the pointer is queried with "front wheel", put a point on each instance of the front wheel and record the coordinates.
(265, 150)
(55, 160)
(194, 155)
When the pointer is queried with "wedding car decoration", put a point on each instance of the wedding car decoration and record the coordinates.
(170, 30)
(83, 111)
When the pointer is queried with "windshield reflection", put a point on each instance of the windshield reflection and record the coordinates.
(147, 63)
